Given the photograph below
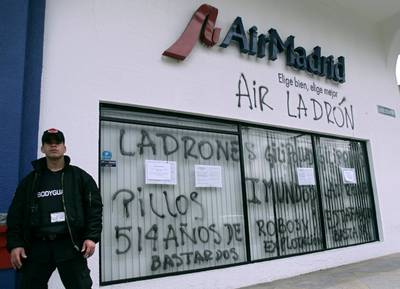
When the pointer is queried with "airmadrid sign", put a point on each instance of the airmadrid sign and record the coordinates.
(270, 44)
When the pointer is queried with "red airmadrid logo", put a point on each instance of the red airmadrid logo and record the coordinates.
(202, 24)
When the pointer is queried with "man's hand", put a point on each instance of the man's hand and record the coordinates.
(16, 255)
(88, 248)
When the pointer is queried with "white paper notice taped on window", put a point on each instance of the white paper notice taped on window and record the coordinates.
(160, 172)
(305, 176)
(349, 175)
(208, 176)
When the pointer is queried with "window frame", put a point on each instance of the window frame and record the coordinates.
(238, 124)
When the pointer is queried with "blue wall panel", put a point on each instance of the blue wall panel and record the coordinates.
(21, 46)
(32, 84)
(13, 23)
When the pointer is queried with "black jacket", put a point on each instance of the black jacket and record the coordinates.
(82, 205)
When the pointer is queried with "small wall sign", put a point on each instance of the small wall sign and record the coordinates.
(386, 111)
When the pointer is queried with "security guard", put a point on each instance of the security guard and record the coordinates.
(54, 220)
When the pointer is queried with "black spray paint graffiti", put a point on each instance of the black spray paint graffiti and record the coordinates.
(254, 98)
(206, 149)
(349, 224)
(343, 224)
(174, 206)
(334, 114)
(196, 257)
(300, 243)
(192, 148)
(293, 234)
(334, 157)
(287, 152)
(338, 115)
(175, 235)
(353, 233)
(178, 236)
(341, 217)
(285, 192)
(336, 190)
(125, 201)
(118, 235)
(297, 225)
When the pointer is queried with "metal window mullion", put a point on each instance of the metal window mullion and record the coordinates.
(319, 191)
(244, 195)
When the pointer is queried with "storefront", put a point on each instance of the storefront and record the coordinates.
(233, 142)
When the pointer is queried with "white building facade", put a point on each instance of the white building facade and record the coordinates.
(259, 156)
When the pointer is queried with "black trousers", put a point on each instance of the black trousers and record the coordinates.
(45, 256)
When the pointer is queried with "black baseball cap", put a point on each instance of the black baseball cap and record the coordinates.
(53, 134)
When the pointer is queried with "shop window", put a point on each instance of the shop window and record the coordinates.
(183, 193)
(348, 207)
(282, 198)
(172, 197)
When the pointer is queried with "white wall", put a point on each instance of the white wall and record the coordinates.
(111, 51)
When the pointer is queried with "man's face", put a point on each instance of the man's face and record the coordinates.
(54, 150)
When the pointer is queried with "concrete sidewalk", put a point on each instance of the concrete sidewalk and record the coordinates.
(379, 273)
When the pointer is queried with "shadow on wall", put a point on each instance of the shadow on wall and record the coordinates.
(391, 32)
(398, 70)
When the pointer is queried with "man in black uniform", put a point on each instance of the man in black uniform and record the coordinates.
(54, 220)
